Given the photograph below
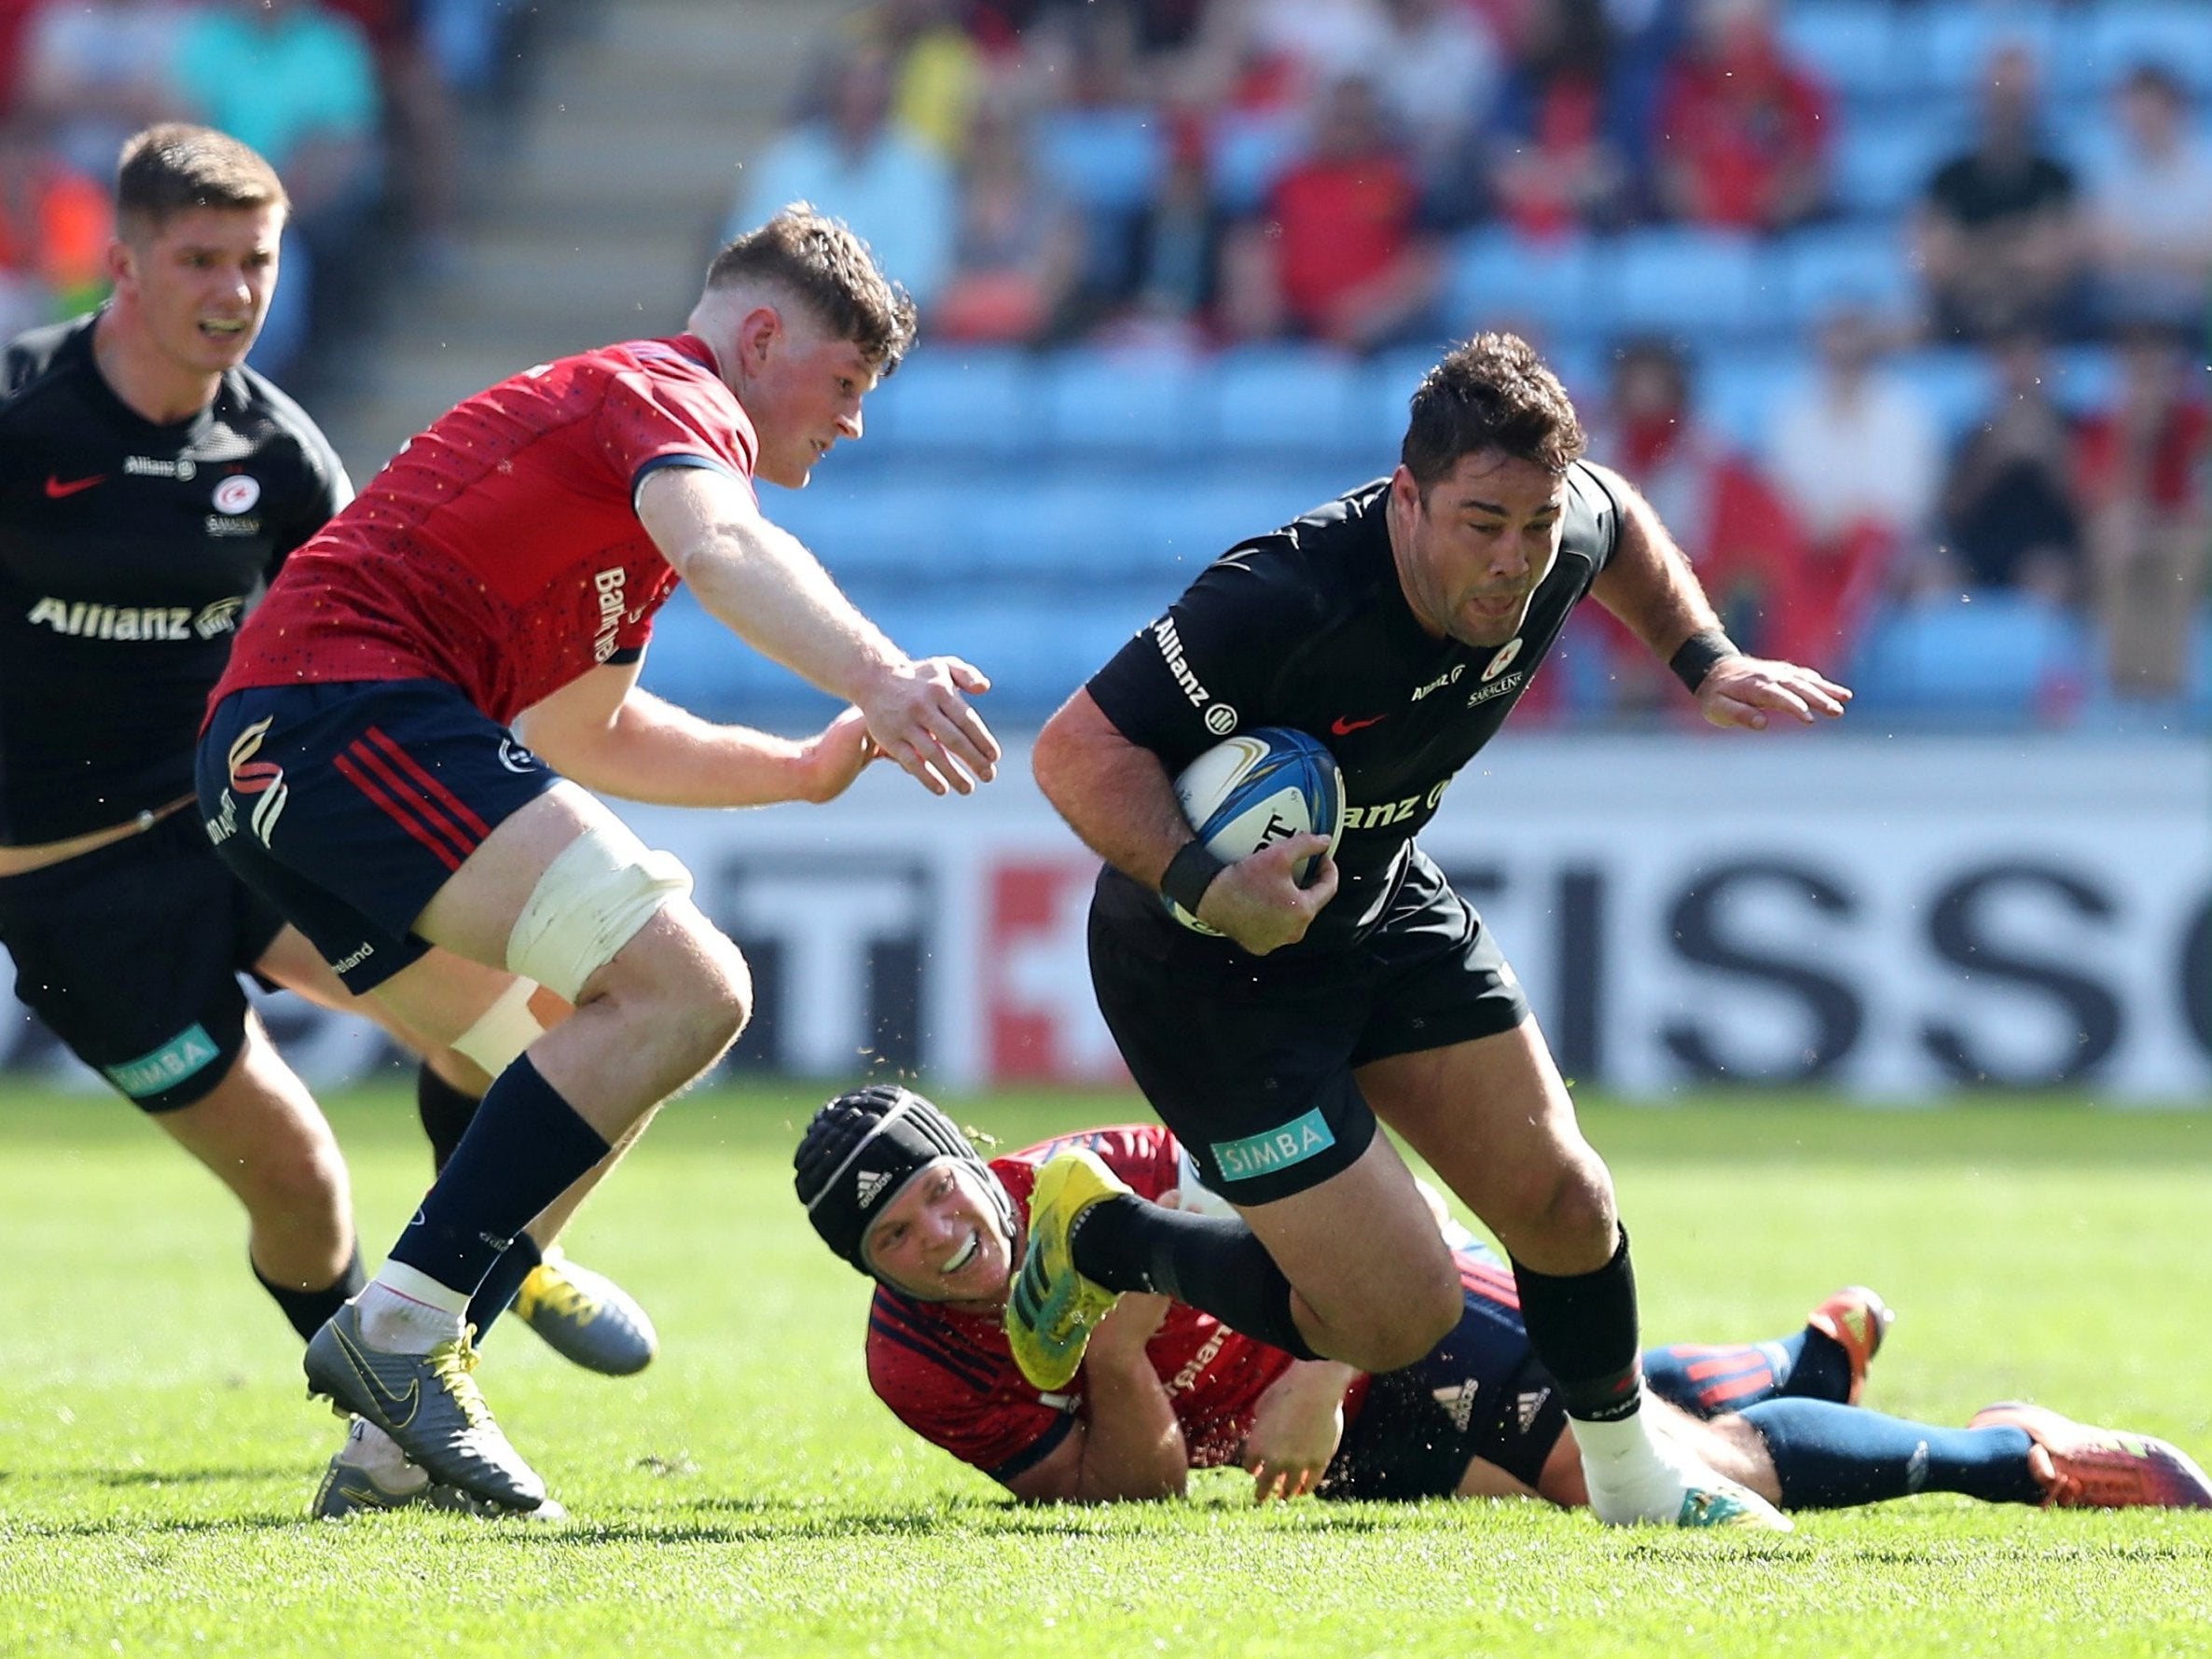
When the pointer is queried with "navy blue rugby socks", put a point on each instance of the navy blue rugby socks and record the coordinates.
(1837, 1456)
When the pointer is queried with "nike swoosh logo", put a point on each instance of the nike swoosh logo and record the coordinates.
(1344, 724)
(56, 489)
(391, 1402)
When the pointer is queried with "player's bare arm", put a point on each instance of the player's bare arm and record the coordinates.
(1129, 1447)
(1296, 1429)
(1648, 585)
(611, 736)
(763, 584)
(1117, 796)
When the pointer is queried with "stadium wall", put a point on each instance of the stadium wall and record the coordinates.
(1890, 918)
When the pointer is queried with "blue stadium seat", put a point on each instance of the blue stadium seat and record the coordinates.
(1149, 403)
(1071, 528)
(1036, 650)
(1849, 43)
(1499, 280)
(2174, 34)
(1960, 386)
(1282, 400)
(1739, 392)
(1107, 161)
(1701, 284)
(1830, 267)
(874, 523)
(1943, 49)
(1248, 153)
(973, 401)
(694, 662)
(1989, 659)
(1881, 167)
(2083, 378)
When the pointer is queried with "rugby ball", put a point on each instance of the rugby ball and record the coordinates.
(1254, 789)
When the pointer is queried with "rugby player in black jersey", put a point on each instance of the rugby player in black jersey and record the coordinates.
(149, 485)
(1399, 625)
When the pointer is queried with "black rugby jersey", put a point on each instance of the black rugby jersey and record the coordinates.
(1308, 627)
(126, 551)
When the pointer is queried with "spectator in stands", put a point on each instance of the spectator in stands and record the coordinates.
(1178, 255)
(2141, 473)
(424, 124)
(1017, 249)
(55, 225)
(854, 165)
(2151, 207)
(937, 68)
(1740, 131)
(1856, 457)
(1999, 232)
(297, 82)
(1561, 142)
(94, 72)
(1340, 253)
(1744, 541)
(2007, 510)
(1438, 75)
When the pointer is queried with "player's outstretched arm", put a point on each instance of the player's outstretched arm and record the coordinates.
(1129, 1445)
(1648, 585)
(761, 583)
(1117, 796)
(609, 735)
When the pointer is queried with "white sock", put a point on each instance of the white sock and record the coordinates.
(368, 1447)
(1634, 1471)
(406, 1312)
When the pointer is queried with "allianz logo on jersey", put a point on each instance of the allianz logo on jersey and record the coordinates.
(1221, 720)
(1385, 813)
(147, 466)
(80, 620)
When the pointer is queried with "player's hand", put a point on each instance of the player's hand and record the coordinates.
(834, 756)
(919, 717)
(1747, 691)
(1295, 1430)
(1122, 1334)
(1258, 902)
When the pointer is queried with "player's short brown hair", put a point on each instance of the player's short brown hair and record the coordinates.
(170, 169)
(1490, 393)
(820, 262)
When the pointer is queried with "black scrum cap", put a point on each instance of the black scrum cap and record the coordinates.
(861, 1150)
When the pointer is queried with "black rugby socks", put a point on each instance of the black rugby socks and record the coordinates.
(1583, 1327)
(1214, 1264)
(525, 1149)
(446, 1114)
(310, 1310)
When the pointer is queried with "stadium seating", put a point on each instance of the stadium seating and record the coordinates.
(1984, 659)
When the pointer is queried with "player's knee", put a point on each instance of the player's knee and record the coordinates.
(725, 992)
(298, 1181)
(1560, 1206)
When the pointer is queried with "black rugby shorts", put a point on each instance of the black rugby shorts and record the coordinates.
(1250, 1061)
(348, 805)
(130, 954)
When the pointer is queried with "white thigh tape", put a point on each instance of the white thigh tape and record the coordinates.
(503, 1030)
(590, 901)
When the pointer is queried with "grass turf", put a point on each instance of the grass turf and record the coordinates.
(747, 1495)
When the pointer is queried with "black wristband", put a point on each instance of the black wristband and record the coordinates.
(1695, 657)
(1189, 874)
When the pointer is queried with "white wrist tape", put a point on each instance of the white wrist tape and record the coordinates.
(503, 1030)
(590, 901)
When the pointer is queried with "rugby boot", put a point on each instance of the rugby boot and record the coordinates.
(1856, 1319)
(2082, 1466)
(586, 1318)
(428, 1403)
(369, 1474)
(1053, 1307)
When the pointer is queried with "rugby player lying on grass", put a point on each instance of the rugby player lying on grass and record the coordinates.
(900, 1193)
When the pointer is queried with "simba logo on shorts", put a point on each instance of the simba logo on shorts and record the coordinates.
(183, 1055)
(1278, 1149)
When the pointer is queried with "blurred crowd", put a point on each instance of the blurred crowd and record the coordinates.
(1201, 175)
(354, 102)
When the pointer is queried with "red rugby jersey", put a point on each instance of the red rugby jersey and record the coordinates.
(949, 1377)
(501, 549)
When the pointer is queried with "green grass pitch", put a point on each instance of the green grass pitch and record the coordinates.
(747, 1495)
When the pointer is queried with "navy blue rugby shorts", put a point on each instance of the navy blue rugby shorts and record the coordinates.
(348, 805)
(1253, 1069)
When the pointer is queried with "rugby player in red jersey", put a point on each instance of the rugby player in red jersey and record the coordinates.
(364, 766)
(899, 1192)
(152, 482)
